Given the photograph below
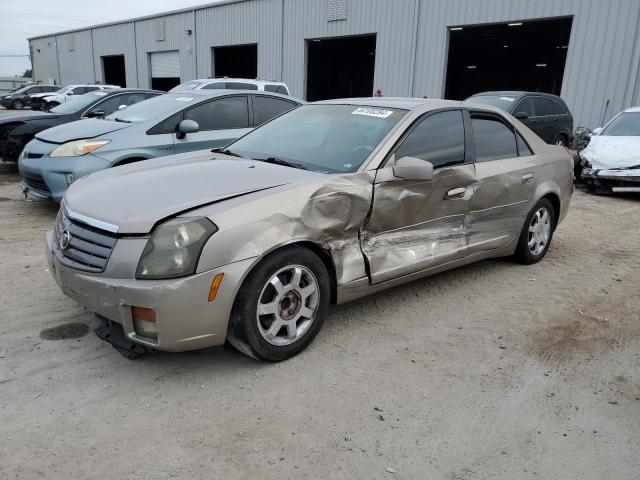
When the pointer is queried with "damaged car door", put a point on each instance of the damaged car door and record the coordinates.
(418, 222)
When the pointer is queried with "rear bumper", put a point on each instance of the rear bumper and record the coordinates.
(185, 318)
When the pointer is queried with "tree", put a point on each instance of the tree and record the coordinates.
(28, 73)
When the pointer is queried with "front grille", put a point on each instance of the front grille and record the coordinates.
(34, 155)
(87, 249)
(35, 181)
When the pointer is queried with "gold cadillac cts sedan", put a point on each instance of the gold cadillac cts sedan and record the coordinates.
(324, 204)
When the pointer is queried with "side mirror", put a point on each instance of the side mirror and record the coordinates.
(521, 115)
(95, 114)
(597, 131)
(412, 168)
(187, 126)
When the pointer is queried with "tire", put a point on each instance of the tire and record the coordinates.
(17, 105)
(560, 140)
(525, 252)
(292, 314)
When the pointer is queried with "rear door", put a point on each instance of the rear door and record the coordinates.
(221, 121)
(563, 120)
(527, 105)
(505, 174)
(417, 225)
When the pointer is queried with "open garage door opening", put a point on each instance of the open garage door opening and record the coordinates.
(340, 67)
(165, 70)
(527, 55)
(238, 61)
(113, 70)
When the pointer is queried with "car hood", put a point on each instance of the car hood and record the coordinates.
(131, 199)
(28, 115)
(607, 152)
(86, 128)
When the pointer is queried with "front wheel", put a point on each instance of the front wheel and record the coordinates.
(51, 105)
(281, 305)
(536, 233)
(18, 105)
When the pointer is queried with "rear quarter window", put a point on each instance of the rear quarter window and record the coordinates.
(493, 139)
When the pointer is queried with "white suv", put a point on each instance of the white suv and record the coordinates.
(50, 100)
(225, 83)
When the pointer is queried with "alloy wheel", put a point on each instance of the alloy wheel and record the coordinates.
(287, 305)
(539, 231)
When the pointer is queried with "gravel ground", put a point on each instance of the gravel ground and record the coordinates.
(492, 371)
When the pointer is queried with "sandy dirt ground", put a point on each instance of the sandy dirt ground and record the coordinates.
(492, 371)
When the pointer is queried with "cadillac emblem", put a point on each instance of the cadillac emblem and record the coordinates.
(64, 239)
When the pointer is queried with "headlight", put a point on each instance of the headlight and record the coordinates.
(174, 248)
(77, 148)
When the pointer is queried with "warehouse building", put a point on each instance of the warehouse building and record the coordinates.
(588, 51)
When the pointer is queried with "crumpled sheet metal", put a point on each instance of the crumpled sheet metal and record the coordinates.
(613, 156)
(327, 213)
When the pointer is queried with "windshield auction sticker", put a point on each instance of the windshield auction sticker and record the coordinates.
(184, 99)
(508, 99)
(372, 112)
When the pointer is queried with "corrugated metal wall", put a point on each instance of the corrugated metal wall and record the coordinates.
(603, 59)
(175, 37)
(252, 21)
(76, 58)
(117, 39)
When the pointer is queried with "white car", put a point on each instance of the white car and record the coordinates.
(225, 83)
(611, 161)
(50, 100)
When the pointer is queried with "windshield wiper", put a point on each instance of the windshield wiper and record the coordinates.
(121, 120)
(226, 152)
(279, 161)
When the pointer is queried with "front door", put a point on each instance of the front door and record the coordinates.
(416, 225)
(221, 121)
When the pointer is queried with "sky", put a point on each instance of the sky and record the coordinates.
(20, 19)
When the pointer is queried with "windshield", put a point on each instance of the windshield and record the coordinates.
(78, 103)
(185, 87)
(153, 108)
(505, 102)
(324, 138)
(626, 124)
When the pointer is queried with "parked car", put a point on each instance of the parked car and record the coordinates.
(47, 102)
(611, 160)
(172, 123)
(225, 83)
(17, 129)
(324, 204)
(545, 114)
(20, 98)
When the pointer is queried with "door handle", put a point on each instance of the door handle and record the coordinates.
(456, 193)
(527, 178)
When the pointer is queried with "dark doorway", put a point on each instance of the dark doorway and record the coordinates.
(164, 84)
(239, 61)
(528, 55)
(113, 70)
(340, 67)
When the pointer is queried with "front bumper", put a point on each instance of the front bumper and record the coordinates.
(46, 177)
(612, 180)
(185, 318)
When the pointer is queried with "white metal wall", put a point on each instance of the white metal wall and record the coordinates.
(76, 58)
(411, 52)
(175, 36)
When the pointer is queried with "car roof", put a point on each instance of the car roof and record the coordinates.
(237, 79)
(221, 93)
(516, 93)
(404, 103)
(633, 109)
(124, 90)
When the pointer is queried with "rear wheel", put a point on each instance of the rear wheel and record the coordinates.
(560, 140)
(281, 305)
(536, 233)
(17, 105)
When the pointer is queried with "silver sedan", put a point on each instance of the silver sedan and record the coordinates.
(322, 205)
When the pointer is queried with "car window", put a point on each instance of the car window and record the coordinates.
(214, 86)
(221, 114)
(266, 108)
(158, 107)
(75, 91)
(627, 124)
(241, 86)
(559, 108)
(168, 125)
(78, 103)
(276, 89)
(113, 104)
(525, 105)
(90, 89)
(439, 139)
(543, 106)
(523, 148)
(493, 139)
